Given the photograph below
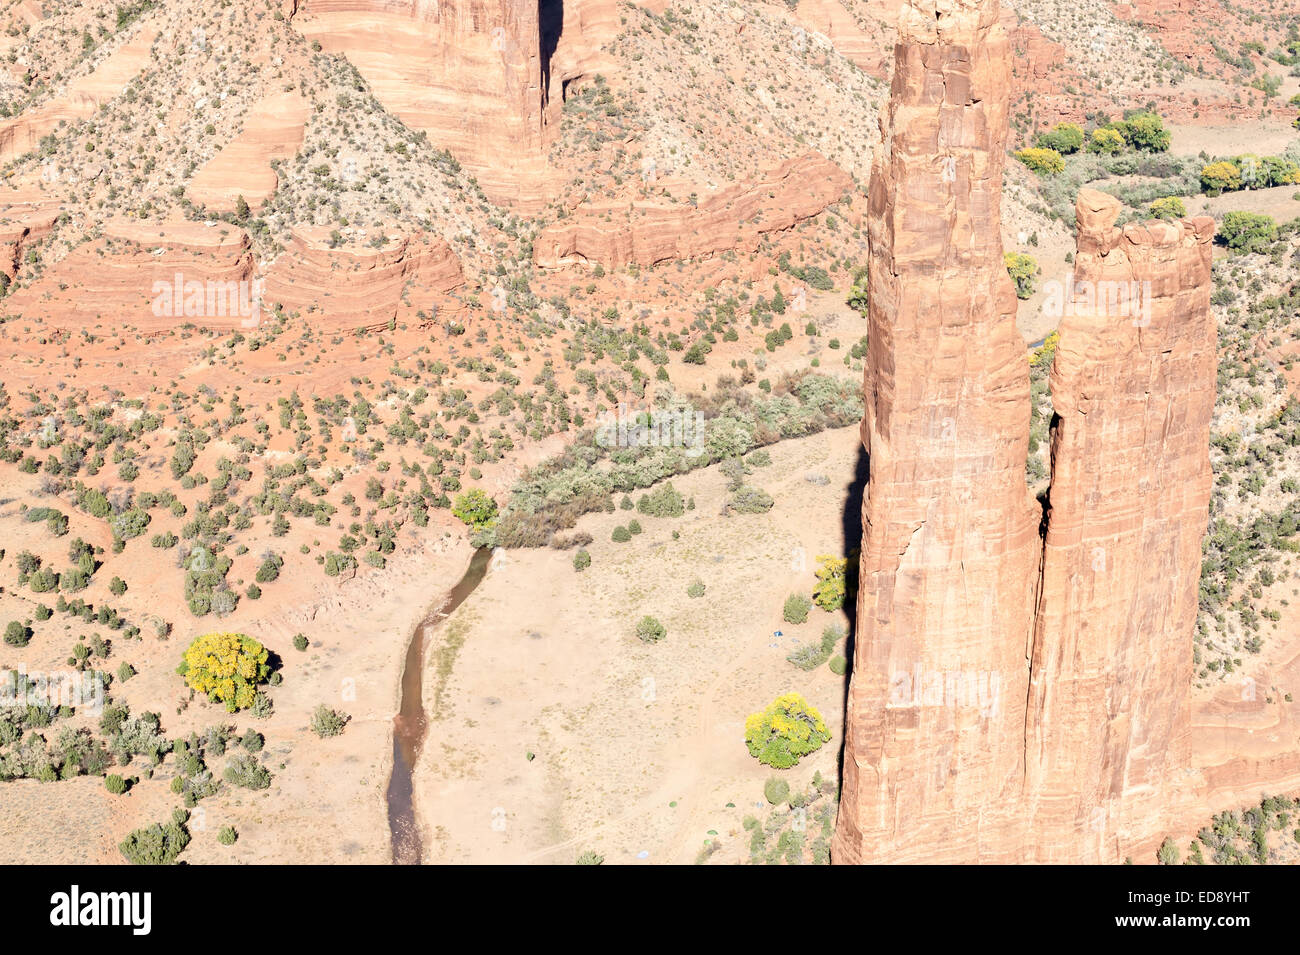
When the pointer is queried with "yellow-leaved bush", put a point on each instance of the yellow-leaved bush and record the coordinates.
(785, 731)
(228, 667)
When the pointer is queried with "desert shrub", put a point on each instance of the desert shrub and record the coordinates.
(227, 836)
(155, 845)
(1248, 231)
(650, 630)
(776, 790)
(621, 535)
(269, 569)
(832, 580)
(299, 641)
(1168, 853)
(796, 608)
(115, 784)
(696, 589)
(327, 722)
(838, 665)
(1065, 138)
(812, 655)
(1046, 161)
(1168, 207)
(634, 527)
(245, 771)
(1220, 177)
(228, 667)
(1022, 269)
(475, 508)
(1106, 140)
(253, 741)
(748, 499)
(663, 501)
(17, 634)
(581, 560)
(785, 732)
(1145, 131)
(590, 857)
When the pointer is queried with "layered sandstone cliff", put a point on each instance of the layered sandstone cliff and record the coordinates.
(362, 284)
(934, 729)
(1016, 697)
(735, 218)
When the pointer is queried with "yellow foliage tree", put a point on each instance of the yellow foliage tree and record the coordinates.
(228, 667)
(785, 731)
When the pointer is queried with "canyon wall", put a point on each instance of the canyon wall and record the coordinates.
(950, 550)
(734, 218)
(484, 78)
(1016, 697)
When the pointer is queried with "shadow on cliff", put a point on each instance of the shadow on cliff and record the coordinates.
(550, 24)
(851, 537)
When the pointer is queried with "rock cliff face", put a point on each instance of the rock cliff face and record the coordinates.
(646, 233)
(1014, 697)
(950, 551)
(364, 285)
(272, 130)
(484, 78)
(1108, 727)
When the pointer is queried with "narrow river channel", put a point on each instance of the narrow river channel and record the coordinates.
(410, 724)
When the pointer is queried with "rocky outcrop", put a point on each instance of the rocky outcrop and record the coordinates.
(1016, 697)
(950, 552)
(735, 218)
(20, 227)
(272, 130)
(1133, 385)
(148, 276)
(79, 100)
(348, 281)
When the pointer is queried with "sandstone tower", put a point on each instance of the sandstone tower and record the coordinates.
(1003, 707)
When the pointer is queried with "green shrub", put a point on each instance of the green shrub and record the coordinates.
(115, 784)
(475, 508)
(750, 500)
(634, 527)
(650, 630)
(247, 772)
(796, 608)
(327, 722)
(620, 535)
(156, 844)
(227, 836)
(1248, 231)
(838, 665)
(696, 589)
(1064, 138)
(300, 641)
(581, 560)
(17, 634)
(590, 857)
(776, 790)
